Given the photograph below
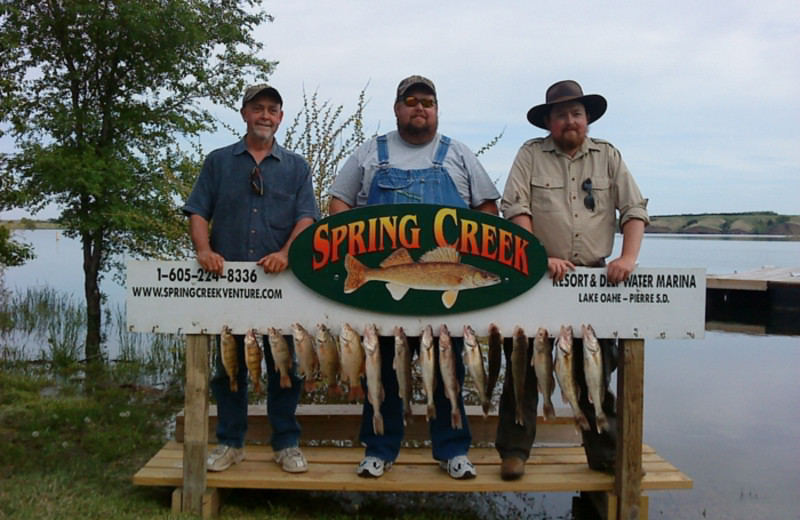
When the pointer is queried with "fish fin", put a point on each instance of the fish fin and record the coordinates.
(441, 254)
(399, 257)
(449, 298)
(397, 291)
(355, 274)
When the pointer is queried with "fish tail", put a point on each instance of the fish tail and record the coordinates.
(257, 386)
(520, 418)
(602, 423)
(455, 419)
(234, 385)
(355, 274)
(485, 406)
(334, 389)
(286, 382)
(582, 421)
(310, 384)
(430, 413)
(549, 411)
(377, 424)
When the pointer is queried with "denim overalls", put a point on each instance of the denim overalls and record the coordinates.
(431, 185)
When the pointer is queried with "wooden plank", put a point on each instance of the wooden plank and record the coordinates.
(549, 469)
(196, 436)
(630, 406)
(757, 280)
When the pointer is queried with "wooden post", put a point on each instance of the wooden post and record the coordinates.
(195, 437)
(630, 405)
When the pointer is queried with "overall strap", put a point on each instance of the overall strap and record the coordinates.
(383, 151)
(441, 152)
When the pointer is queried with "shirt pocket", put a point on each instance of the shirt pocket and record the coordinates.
(602, 193)
(547, 193)
(281, 210)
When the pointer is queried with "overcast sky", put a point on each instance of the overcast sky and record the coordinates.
(702, 96)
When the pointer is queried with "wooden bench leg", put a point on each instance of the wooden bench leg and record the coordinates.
(195, 437)
(209, 507)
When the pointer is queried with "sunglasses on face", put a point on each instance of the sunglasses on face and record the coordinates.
(256, 182)
(588, 201)
(411, 101)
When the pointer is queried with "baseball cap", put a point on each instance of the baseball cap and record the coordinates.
(262, 88)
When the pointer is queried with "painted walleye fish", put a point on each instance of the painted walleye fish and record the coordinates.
(437, 270)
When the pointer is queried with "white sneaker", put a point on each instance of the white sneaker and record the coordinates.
(459, 468)
(222, 457)
(373, 467)
(292, 460)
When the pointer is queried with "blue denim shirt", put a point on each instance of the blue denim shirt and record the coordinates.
(246, 226)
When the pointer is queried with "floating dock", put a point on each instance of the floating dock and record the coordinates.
(765, 301)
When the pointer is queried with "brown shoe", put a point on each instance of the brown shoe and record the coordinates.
(512, 468)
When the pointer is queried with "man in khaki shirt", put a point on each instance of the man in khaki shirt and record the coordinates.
(566, 188)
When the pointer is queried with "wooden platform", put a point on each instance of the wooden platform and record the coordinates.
(333, 469)
(758, 280)
(341, 422)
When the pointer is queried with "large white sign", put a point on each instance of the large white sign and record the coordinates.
(179, 297)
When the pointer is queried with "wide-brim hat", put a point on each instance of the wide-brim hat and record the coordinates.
(562, 92)
(256, 90)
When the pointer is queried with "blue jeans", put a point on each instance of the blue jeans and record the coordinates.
(232, 407)
(447, 442)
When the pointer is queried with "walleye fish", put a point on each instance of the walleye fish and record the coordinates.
(328, 355)
(352, 366)
(402, 367)
(519, 366)
(374, 385)
(427, 359)
(565, 375)
(252, 358)
(437, 270)
(447, 364)
(472, 351)
(281, 355)
(593, 372)
(543, 366)
(495, 357)
(306, 358)
(230, 360)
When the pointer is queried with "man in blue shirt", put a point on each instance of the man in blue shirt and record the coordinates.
(259, 197)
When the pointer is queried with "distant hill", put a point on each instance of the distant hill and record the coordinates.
(749, 223)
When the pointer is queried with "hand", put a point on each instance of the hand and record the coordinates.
(558, 268)
(210, 261)
(275, 262)
(620, 269)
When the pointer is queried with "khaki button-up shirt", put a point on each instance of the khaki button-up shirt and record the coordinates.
(545, 184)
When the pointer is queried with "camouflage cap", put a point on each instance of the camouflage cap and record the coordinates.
(254, 90)
(411, 81)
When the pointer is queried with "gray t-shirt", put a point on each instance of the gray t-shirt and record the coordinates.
(353, 181)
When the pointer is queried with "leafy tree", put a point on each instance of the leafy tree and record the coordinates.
(101, 97)
(12, 253)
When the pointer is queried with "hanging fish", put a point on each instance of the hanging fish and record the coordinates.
(495, 358)
(375, 392)
(252, 358)
(352, 366)
(281, 356)
(593, 372)
(543, 366)
(306, 357)
(565, 375)
(230, 360)
(447, 365)
(328, 355)
(402, 367)
(474, 362)
(427, 359)
(519, 366)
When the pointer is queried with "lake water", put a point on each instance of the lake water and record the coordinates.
(725, 410)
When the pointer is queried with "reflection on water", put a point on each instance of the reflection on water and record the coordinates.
(724, 410)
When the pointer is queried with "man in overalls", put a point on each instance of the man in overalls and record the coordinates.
(415, 164)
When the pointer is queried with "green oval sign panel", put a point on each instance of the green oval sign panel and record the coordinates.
(417, 259)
